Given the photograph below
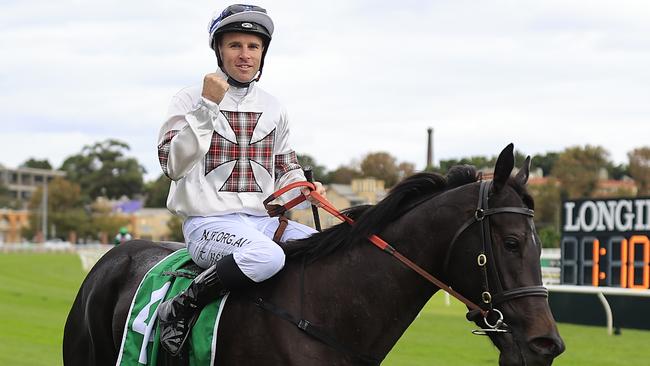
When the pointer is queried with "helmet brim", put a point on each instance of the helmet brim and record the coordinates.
(258, 17)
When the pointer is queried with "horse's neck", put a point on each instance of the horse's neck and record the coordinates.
(367, 295)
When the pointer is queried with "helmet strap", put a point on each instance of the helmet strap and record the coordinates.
(231, 80)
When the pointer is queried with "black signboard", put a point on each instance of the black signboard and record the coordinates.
(605, 242)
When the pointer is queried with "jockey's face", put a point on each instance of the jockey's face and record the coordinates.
(241, 54)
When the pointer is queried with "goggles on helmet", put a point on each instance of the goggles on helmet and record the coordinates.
(241, 18)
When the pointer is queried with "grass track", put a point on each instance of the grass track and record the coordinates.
(37, 290)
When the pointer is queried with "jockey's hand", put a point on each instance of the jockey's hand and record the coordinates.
(214, 87)
(319, 189)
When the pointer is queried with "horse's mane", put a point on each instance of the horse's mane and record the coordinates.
(369, 219)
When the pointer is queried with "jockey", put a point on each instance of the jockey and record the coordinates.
(225, 145)
(123, 236)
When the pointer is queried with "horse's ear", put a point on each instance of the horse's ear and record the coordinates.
(503, 168)
(524, 172)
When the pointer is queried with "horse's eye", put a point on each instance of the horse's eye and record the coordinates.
(512, 245)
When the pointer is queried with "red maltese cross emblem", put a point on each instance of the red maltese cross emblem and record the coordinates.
(244, 151)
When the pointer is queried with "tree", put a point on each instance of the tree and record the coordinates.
(103, 170)
(545, 162)
(157, 192)
(38, 164)
(6, 198)
(320, 173)
(104, 221)
(380, 165)
(175, 226)
(617, 172)
(640, 169)
(578, 168)
(548, 203)
(405, 169)
(477, 161)
(64, 207)
(343, 175)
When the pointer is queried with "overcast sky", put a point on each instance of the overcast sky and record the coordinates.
(356, 76)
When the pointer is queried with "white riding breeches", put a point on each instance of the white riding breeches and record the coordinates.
(248, 238)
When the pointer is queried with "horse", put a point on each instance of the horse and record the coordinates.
(357, 300)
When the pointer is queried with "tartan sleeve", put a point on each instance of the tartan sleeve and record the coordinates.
(285, 163)
(163, 150)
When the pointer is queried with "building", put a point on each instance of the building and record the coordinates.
(11, 225)
(358, 192)
(625, 187)
(23, 182)
(144, 223)
(151, 224)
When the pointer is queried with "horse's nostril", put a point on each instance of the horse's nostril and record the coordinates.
(547, 346)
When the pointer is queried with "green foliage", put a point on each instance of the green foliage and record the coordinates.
(548, 203)
(106, 223)
(67, 213)
(6, 198)
(550, 236)
(639, 169)
(479, 162)
(175, 226)
(577, 168)
(64, 207)
(405, 169)
(545, 162)
(38, 164)
(103, 169)
(157, 192)
(617, 172)
(320, 173)
(343, 175)
(381, 165)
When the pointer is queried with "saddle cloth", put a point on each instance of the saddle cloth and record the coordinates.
(140, 342)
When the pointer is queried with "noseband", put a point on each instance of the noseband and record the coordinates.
(492, 295)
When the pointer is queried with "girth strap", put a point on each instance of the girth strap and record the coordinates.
(315, 332)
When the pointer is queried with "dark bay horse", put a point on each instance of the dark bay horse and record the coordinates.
(357, 294)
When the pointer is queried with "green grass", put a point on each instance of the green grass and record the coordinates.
(441, 336)
(37, 290)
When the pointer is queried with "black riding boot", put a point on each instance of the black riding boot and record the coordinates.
(178, 315)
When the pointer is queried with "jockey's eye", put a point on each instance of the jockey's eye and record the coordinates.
(511, 244)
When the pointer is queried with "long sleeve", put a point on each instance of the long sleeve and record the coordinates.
(185, 138)
(287, 168)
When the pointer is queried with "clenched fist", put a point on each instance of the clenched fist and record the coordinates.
(214, 87)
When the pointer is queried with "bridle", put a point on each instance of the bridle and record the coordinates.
(494, 295)
(484, 258)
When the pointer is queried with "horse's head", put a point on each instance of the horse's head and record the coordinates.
(499, 245)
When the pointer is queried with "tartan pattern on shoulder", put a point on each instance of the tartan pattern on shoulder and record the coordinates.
(285, 163)
(244, 151)
(163, 150)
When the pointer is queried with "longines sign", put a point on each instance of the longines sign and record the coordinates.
(605, 242)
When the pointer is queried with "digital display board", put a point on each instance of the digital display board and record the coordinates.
(605, 242)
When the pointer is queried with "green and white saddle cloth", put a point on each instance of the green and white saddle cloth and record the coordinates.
(141, 339)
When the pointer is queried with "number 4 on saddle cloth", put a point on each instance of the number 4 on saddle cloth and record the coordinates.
(141, 339)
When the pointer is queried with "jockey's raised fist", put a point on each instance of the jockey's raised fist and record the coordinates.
(214, 87)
